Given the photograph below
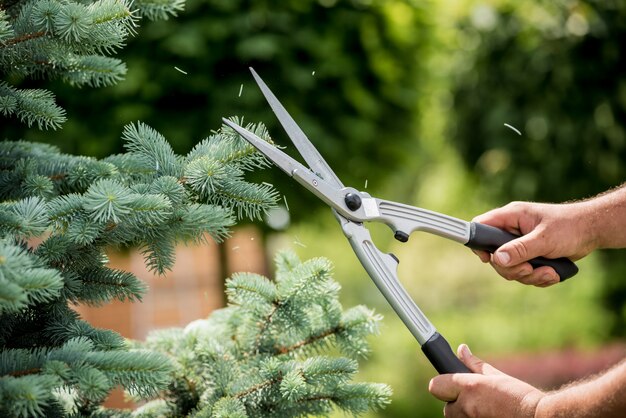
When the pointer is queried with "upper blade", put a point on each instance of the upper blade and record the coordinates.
(279, 158)
(297, 136)
(327, 191)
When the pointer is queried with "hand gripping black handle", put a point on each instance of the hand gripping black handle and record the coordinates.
(488, 238)
(441, 356)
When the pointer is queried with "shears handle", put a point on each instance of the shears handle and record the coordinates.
(441, 356)
(404, 219)
(488, 238)
(382, 268)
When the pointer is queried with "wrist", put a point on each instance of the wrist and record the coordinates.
(542, 409)
(607, 219)
(588, 215)
(529, 405)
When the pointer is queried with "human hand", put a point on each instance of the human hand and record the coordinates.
(548, 230)
(485, 393)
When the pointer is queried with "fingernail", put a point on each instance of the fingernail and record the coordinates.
(465, 352)
(503, 258)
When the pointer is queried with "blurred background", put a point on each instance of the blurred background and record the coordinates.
(407, 100)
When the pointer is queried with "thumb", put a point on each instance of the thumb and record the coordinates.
(521, 250)
(475, 364)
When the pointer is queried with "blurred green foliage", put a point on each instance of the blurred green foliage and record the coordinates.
(347, 70)
(555, 70)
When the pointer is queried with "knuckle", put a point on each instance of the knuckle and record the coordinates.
(517, 206)
(520, 248)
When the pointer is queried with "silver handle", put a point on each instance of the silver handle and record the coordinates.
(406, 219)
(382, 268)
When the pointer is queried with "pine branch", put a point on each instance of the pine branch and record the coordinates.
(31, 106)
(244, 361)
(160, 9)
(70, 40)
(309, 341)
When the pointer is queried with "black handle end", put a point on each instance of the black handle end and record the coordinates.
(489, 238)
(441, 356)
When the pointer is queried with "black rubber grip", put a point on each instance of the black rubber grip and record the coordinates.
(441, 356)
(489, 238)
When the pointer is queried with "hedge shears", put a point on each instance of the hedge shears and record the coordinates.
(352, 208)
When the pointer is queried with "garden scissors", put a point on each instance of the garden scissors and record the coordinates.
(352, 208)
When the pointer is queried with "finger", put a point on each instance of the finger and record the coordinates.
(541, 275)
(524, 273)
(484, 256)
(506, 217)
(521, 249)
(517, 272)
(475, 364)
(453, 410)
(444, 387)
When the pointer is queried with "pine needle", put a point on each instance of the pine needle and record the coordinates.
(513, 128)
(298, 242)
(179, 70)
(240, 90)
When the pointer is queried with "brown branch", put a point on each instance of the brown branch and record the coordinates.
(20, 373)
(264, 327)
(60, 176)
(23, 38)
(258, 387)
(310, 340)
(318, 398)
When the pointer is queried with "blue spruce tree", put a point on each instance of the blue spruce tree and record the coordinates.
(59, 213)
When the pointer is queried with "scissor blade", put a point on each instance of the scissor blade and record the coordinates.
(279, 158)
(297, 136)
(328, 192)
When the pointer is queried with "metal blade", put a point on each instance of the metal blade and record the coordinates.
(279, 158)
(327, 191)
(297, 136)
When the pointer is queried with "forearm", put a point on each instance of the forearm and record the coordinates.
(608, 218)
(601, 397)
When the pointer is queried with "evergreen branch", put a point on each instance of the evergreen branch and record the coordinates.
(308, 341)
(144, 142)
(24, 280)
(22, 38)
(31, 106)
(247, 198)
(258, 387)
(19, 373)
(6, 29)
(28, 395)
(159, 9)
(93, 70)
(108, 200)
(104, 284)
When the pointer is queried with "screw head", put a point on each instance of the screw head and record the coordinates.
(353, 201)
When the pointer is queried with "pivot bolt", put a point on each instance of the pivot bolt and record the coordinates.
(401, 236)
(353, 201)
